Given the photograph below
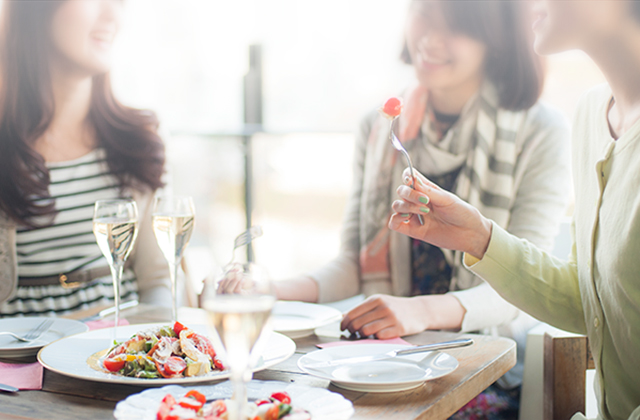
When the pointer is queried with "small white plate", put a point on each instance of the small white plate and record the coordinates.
(321, 403)
(300, 319)
(10, 347)
(391, 375)
(68, 356)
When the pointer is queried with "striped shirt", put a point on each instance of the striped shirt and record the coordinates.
(66, 243)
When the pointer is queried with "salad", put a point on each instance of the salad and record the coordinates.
(194, 406)
(163, 352)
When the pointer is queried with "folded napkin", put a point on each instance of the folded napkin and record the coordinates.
(104, 323)
(398, 341)
(21, 375)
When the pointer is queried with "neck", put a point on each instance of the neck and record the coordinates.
(69, 136)
(451, 101)
(619, 60)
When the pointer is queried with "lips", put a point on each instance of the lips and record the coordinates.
(430, 63)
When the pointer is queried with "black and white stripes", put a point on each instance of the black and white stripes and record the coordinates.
(66, 243)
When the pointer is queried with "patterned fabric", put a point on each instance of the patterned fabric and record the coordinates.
(431, 273)
(66, 243)
(482, 142)
(493, 403)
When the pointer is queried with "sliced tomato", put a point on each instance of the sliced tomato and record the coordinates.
(282, 396)
(218, 364)
(190, 403)
(262, 402)
(114, 364)
(273, 413)
(219, 408)
(177, 327)
(175, 366)
(198, 396)
(165, 407)
(393, 107)
(172, 368)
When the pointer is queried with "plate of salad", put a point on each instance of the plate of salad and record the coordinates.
(151, 355)
(268, 400)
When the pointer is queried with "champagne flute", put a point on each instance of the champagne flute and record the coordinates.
(240, 312)
(173, 223)
(115, 225)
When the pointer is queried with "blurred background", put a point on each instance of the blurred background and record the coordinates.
(324, 65)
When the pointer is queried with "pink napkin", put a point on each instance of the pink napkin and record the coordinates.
(21, 375)
(104, 323)
(398, 341)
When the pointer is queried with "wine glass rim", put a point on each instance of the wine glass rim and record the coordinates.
(173, 196)
(116, 200)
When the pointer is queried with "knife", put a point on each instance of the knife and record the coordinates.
(8, 388)
(103, 313)
(393, 353)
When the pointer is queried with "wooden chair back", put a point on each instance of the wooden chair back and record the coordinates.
(566, 360)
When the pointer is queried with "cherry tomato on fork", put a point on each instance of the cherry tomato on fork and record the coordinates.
(393, 107)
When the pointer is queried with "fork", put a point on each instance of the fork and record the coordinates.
(34, 333)
(399, 147)
(245, 238)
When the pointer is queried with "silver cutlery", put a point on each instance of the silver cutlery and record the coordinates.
(399, 147)
(245, 238)
(393, 353)
(34, 333)
(8, 388)
(108, 311)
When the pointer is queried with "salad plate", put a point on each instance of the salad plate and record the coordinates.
(388, 375)
(321, 403)
(10, 347)
(300, 319)
(69, 356)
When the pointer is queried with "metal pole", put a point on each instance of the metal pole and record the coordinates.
(253, 119)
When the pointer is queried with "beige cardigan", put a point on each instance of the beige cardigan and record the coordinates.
(542, 180)
(149, 266)
(597, 291)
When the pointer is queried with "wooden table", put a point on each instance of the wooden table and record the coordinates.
(480, 365)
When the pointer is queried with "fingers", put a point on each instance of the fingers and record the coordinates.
(409, 226)
(368, 318)
(421, 181)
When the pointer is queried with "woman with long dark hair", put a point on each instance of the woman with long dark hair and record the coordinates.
(65, 142)
(475, 124)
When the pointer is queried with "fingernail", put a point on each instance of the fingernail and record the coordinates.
(423, 199)
(425, 209)
(407, 180)
(405, 215)
(420, 181)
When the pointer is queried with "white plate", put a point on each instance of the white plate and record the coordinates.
(10, 347)
(68, 356)
(321, 403)
(397, 374)
(299, 319)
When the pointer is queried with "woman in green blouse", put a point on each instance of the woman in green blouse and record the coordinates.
(597, 290)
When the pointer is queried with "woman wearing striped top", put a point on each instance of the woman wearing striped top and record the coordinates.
(474, 123)
(66, 142)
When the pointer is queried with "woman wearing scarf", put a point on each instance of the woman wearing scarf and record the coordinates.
(474, 126)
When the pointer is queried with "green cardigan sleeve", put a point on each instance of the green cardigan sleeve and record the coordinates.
(533, 280)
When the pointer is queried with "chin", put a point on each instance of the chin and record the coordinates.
(547, 44)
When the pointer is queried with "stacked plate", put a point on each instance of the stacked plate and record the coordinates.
(12, 348)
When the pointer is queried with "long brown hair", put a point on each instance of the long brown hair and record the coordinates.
(510, 62)
(135, 153)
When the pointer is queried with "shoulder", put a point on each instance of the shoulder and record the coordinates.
(543, 116)
(592, 101)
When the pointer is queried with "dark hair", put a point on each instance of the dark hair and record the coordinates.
(135, 153)
(510, 62)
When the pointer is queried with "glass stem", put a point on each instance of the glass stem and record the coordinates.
(173, 272)
(239, 381)
(116, 274)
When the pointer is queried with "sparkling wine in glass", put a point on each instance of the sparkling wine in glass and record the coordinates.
(173, 223)
(115, 225)
(240, 312)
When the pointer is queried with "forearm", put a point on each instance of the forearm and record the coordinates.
(440, 312)
(304, 289)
